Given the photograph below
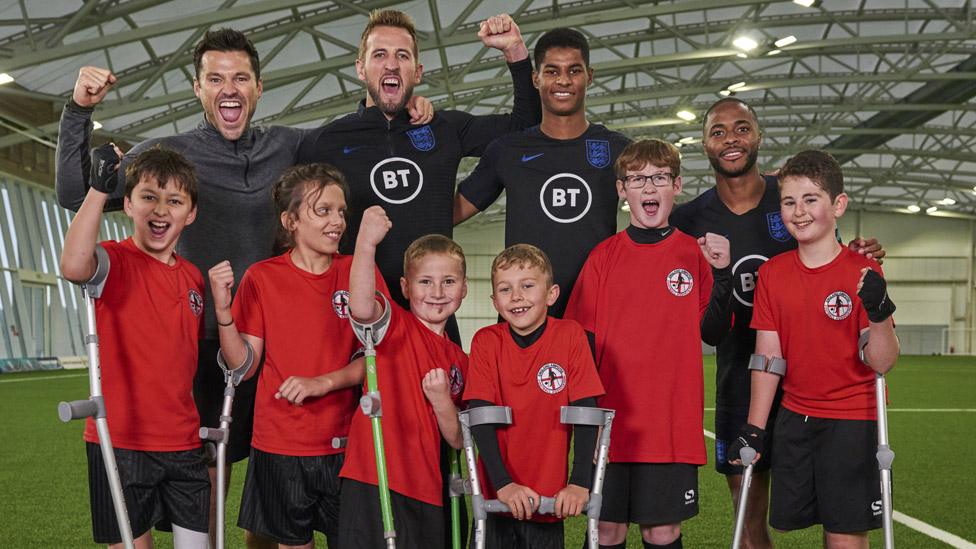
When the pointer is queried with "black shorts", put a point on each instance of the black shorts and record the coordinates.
(505, 532)
(728, 424)
(208, 393)
(418, 525)
(287, 498)
(650, 494)
(825, 472)
(169, 487)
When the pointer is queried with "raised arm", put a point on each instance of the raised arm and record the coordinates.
(78, 262)
(233, 344)
(363, 305)
(73, 164)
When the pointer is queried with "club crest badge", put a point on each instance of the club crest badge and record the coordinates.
(422, 138)
(196, 302)
(340, 303)
(680, 282)
(551, 378)
(777, 229)
(457, 381)
(838, 305)
(598, 152)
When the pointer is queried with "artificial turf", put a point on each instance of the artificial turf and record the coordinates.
(44, 491)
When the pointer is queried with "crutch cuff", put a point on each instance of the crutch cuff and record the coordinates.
(773, 365)
(377, 327)
(94, 285)
(862, 343)
(236, 375)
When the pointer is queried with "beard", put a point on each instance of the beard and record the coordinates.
(716, 163)
(389, 108)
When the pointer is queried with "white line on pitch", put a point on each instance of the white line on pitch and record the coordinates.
(913, 523)
(40, 378)
(922, 410)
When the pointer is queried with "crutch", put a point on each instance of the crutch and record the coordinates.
(456, 489)
(370, 335)
(220, 435)
(747, 455)
(885, 456)
(568, 415)
(94, 406)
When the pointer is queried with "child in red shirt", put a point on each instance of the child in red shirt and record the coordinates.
(150, 318)
(533, 364)
(813, 306)
(647, 297)
(293, 310)
(420, 375)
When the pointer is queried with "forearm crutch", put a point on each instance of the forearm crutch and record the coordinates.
(568, 415)
(370, 335)
(94, 406)
(885, 456)
(221, 435)
(747, 455)
(456, 489)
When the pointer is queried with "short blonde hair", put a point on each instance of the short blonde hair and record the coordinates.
(433, 244)
(388, 18)
(648, 151)
(525, 256)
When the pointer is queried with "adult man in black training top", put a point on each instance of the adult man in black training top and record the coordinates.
(558, 176)
(744, 207)
(237, 164)
(411, 172)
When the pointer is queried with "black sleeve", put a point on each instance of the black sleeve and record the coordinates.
(486, 437)
(475, 132)
(584, 444)
(681, 219)
(717, 320)
(307, 153)
(73, 160)
(483, 186)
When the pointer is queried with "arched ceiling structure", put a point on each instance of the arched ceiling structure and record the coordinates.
(886, 86)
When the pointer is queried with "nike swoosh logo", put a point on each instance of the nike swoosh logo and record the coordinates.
(347, 149)
(527, 157)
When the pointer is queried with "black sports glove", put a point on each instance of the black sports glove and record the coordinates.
(750, 436)
(874, 296)
(104, 168)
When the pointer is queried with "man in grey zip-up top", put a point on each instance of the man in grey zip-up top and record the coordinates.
(237, 164)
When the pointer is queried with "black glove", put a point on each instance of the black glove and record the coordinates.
(104, 168)
(874, 296)
(750, 436)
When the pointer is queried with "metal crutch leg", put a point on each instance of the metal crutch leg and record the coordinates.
(221, 434)
(884, 456)
(94, 406)
(603, 418)
(483, 415)
(747, 455)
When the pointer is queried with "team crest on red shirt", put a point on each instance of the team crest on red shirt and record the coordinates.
(340, 303)
(551, 378)
(838, 305)
(196, 302)
(680, 282)
(457, 381)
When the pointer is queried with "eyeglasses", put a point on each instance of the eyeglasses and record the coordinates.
(637, 182)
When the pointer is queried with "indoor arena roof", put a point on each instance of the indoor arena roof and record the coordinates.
(886, 86)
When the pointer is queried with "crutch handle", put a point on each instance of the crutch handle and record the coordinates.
(214, 434)
(77, 409)
(747, 455)
(339, 442)
(547, 506)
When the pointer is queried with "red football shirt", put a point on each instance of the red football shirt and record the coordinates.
(303, 319)
(818, 317)
(411, 436)
(644, 304)
(534, 382)
(150, 319)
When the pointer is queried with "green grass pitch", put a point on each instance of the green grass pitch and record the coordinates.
(44, 492)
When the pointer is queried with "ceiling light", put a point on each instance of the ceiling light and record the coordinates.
(785, 41)
(775, 52)
(804, 3)
(687, 140)
(737, 86)
(96, 125)
(745, 43)
(931, 209)
(726, 93)
(5, 78)
(914, 208)
(947, 201)
(625, 207)
(687, 116)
